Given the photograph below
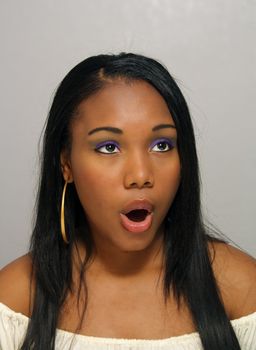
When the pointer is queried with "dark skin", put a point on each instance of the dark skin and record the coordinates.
(124, 279)
(125, 263)
(138, 168)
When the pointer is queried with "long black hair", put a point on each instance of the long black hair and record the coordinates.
(188, 269)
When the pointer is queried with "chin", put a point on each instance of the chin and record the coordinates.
(136, 246)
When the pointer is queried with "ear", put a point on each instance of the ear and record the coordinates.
(66, 166)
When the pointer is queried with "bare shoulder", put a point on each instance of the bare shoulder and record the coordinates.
(16, 286)
(235, 273)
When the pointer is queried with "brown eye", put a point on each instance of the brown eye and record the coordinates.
(162, 146)
(108, 146)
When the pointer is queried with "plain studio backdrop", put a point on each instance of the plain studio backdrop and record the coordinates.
(208, 46)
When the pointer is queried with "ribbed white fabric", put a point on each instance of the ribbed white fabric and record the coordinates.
(13, 327)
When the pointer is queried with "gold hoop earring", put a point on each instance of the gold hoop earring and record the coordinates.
(62, 215)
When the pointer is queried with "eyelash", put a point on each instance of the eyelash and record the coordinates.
(107, 143)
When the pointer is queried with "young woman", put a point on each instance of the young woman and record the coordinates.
(120, 257)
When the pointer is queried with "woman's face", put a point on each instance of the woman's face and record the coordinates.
(132, 164)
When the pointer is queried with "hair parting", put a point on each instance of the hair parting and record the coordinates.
(186, 239)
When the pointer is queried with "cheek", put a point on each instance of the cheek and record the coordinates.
(169, 181)
(94, 187)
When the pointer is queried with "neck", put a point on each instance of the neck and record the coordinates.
(112, 262)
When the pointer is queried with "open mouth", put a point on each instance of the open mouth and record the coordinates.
(137, 215)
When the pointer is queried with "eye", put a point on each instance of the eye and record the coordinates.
(106, 147)
(162, 145)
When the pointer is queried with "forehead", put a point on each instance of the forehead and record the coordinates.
(124, 103)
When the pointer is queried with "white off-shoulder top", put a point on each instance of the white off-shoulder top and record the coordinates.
(13, 327)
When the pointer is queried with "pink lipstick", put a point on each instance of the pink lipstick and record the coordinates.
(137, 216)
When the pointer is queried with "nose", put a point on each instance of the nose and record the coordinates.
(138, 173)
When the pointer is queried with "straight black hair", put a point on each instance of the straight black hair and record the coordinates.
(188, 266)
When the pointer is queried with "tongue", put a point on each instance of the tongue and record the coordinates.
(137, 215)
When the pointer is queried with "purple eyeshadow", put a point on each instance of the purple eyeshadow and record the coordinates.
(102, 144)
(168, 141)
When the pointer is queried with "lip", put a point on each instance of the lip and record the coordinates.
(136, 227)
(138, 204)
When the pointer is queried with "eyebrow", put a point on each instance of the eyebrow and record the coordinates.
(119, 131)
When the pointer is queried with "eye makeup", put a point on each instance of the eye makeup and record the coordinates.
(104, 144)
(169, 142)
(113, 144)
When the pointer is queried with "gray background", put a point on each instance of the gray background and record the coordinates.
(208, 45)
